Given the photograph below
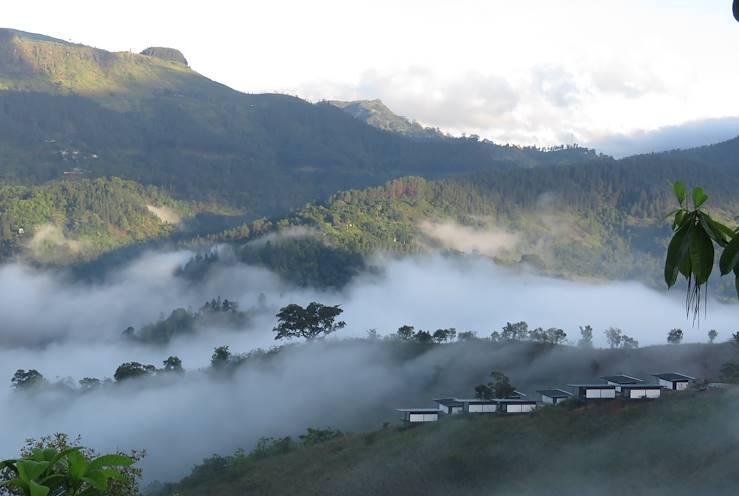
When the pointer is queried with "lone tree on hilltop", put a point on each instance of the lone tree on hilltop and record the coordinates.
(310, 322)
(712, 334)
(675, 336)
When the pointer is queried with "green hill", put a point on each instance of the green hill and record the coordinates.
(72, 220)
(603, 219)
(152, 119)
(682, 444)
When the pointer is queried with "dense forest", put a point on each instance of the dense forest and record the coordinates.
(78, 219)
(603, 219)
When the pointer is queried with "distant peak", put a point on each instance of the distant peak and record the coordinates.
(164, 53)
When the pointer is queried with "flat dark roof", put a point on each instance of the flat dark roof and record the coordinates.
(515, 400)
(641, 386)
(418, 410)
(477, 401)
(674, 376)
(449, 402)
(622, 379)
(593, 386)
(555, 393)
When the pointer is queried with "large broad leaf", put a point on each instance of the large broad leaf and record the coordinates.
(37, 489)
(701, 255)
(679, 188)
(699, 197)
(677, 253)
(736, 281)
(77, 464)
(29, 470)
(730, 257)
(110, 461)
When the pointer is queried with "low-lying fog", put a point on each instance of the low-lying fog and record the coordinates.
(71, 329)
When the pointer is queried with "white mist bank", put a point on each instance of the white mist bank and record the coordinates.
(71, 329)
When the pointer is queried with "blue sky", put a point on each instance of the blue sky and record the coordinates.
(529, 72)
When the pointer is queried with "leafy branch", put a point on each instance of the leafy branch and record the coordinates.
(691, 249)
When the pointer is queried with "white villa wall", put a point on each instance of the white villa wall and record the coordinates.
(600, 393)
(653, 393)
(667, 384)
(681, 386)
(423, 417)
(548, 400)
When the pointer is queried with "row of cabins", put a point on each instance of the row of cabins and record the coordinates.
(616, 386)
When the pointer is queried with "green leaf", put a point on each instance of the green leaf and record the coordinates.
(713, 233)
(77, 464)
(29, 470)
(679, 188)
(37, 489)
(111, 461)
(730, 257)
(677, 252)
(736, 281)
(701, 256)
(699, 197)
(96, 480)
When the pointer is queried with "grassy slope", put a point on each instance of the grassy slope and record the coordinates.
(685, 443)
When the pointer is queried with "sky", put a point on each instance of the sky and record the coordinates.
(629, 75)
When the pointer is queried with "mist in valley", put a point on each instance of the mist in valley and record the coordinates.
(71, 329)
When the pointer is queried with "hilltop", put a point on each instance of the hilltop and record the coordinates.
(151, 118)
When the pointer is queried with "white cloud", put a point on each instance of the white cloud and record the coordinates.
(531, 71)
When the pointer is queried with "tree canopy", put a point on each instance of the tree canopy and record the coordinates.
(308, 322)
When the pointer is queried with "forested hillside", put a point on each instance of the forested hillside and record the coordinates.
(72, 220)
(152, 119)
(603, 219)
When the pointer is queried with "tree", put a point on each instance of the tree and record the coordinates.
(220, 357)
(133, 370)
(690, 252)
(309, 322)
(518, 331)
(614, 336)
(712, 334)
(555, 335)
(484, 392)
(89, 383)
(406, 332)
(629, 343)
(586, 337)
(173, 364)
(27, 379)
(467, 336)
(443, 335)
(495, 336)
(499, 386)
(423, 337)
(675, 336)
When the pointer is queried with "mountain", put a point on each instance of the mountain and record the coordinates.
(375, 113)
(150, 118)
